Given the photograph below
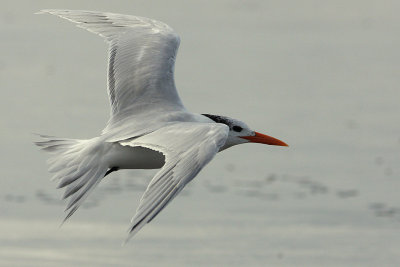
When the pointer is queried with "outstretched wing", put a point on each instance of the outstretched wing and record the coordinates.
(187, 147)
(142, 55)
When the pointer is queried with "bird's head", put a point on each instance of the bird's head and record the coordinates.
(240, 133)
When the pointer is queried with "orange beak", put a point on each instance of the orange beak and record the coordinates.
(264, 139)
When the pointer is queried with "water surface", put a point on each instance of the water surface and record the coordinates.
(322, 77)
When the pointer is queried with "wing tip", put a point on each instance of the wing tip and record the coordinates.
(134, 229)
(58, 12)
(45, 11)
(131, 233)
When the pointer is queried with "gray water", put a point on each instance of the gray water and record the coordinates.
(323, 77)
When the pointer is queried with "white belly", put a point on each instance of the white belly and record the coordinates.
(126, 157)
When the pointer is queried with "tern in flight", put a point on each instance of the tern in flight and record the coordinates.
(149, 127)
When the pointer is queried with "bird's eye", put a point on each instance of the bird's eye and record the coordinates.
(237, 128)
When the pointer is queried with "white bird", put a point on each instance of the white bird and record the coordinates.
(149, 127)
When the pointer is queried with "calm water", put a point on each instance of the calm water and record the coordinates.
(322, 77)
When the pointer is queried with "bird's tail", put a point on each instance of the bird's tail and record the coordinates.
(76, 164)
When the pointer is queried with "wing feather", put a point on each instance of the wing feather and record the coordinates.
(142, 55)
(187, 147)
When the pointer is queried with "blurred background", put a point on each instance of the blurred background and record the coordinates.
(322, 76)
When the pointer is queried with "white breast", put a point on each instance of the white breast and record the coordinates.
(125, 157)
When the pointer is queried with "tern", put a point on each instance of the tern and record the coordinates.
(149, 127)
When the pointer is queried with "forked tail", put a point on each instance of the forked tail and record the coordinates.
(76, 164)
